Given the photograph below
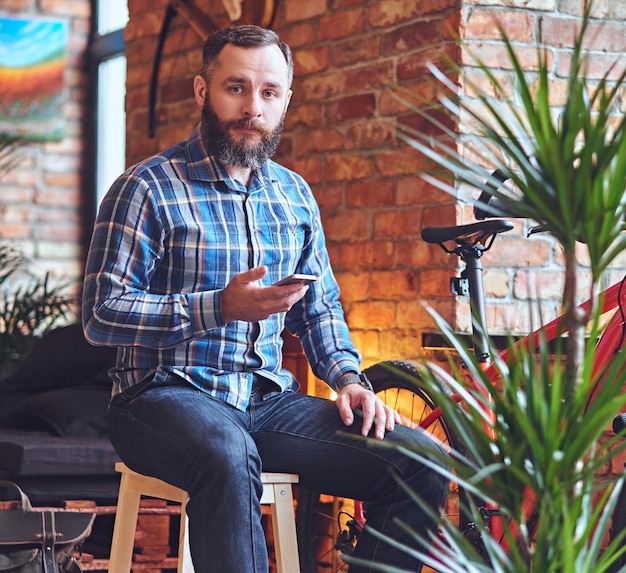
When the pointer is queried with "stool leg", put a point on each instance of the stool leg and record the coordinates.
(124, 528)
(185, 564)
(284, 527)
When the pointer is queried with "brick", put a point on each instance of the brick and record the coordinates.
(413, 315)
(414, 66)
(62, 179)
(370, 134)
(329, 196)
(368, 343)
(347, 225)
(57, 197)
(15, 230)
(310, 61)
(57, 232)
(65, 8)
(352, 107)
(310, 168)
(413, 190)
(296, 10)
(305, 115)
(516, 24)
(531, 284)
(495, 56)
(414, 253)
(414, 36)
(345, 167)
(317, 140)
(16, 213)
(18, 5)
(497, 282)
(388, 12)
(402, 223)
(394, 285)
(356, 51)
(341, 24)
(376, 314)
(177, 90)
(354, 286)
(525, 252)
(365, 254)
(402, 161)
(323, 86)
(367, 77)
(432, 6)
(545, 5)
(374, 193)
(298, 35)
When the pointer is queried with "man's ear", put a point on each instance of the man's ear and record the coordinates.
(199, 90)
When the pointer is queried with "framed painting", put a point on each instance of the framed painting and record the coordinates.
(33, 54)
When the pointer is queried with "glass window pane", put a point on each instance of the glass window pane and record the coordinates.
(112, 15)
(111, 129)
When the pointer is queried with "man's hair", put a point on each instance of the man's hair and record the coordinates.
(247, 36)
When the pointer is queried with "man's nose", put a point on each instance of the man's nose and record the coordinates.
(253, 106)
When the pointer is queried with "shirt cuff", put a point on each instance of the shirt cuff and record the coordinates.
(205, 311)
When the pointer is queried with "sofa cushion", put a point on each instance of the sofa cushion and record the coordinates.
(31, 453)
(79, 412)
(61, 359)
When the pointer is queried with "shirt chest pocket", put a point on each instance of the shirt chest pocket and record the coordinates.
(281, 246)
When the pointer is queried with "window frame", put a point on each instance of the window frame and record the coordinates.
(102, 47)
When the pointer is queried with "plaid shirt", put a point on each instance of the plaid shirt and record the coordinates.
(170, 234)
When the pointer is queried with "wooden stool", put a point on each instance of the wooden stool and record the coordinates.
(277, 492)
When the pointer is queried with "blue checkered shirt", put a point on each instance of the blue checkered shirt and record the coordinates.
(170, 234)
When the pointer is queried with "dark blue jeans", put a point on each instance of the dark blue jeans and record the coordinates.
(168, 429)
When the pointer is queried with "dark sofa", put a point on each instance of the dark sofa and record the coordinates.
(53, 435)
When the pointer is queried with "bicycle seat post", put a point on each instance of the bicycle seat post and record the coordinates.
(474, 274)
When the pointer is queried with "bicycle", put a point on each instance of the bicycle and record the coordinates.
(400, 385)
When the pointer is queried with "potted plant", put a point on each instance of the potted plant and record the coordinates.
(541, 434)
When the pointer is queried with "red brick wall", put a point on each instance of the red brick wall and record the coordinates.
(41, 200)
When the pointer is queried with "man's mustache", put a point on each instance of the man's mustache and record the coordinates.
(248, 124)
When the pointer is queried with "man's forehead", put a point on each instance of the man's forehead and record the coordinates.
(266, 60)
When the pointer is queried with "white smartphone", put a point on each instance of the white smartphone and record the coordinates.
(296, 278)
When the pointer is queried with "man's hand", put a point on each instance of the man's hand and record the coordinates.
(244, 299)
(375, 412)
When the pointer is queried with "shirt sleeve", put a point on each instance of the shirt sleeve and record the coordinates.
(119, 306)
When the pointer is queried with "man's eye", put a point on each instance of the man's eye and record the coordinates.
(235, 89)
(269, 94)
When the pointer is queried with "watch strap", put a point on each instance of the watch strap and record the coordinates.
(354, 378)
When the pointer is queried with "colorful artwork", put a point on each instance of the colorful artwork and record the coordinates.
(32, 70)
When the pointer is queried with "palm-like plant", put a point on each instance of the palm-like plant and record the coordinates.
(569, 175)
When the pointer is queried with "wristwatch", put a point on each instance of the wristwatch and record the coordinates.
(354, 378)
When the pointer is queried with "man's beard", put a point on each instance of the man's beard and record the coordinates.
(219, 143)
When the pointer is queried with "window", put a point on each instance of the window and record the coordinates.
(107, 64)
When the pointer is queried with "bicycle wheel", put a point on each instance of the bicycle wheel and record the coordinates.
(326, 525)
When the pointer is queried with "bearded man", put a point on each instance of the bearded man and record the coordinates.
(181, 277)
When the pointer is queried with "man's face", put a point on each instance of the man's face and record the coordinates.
(244, 105)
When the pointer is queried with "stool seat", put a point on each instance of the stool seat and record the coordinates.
(277, 492)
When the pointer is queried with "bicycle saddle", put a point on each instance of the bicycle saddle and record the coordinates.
(471, 234)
